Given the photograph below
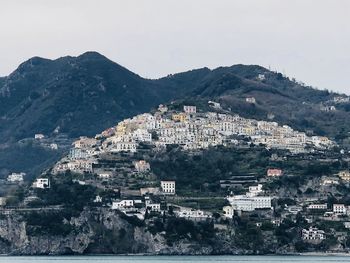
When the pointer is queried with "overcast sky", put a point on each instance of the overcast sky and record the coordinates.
(305, 39)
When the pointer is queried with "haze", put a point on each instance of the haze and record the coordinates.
(305, 39)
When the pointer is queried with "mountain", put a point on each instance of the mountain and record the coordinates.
(84, 95)
(81, 95)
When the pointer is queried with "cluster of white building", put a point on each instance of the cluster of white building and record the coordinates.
(189, 129)
(194, 130)
(16, 177)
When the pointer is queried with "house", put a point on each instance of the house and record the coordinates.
(327, 108)
(39, 136)
(16, 177)
(192, 214)
(153, 207)
(168, 187)
(250, 100)
(228, 211)
(85, 142)
(105, 175)
(317, 207)
(313, 234)
(261, 76)
(255, 190)
(149, 190)
(181, 117)
(274, 172)
(339, 209)
(53, 146)
(123, 204)
(41, 183)
(142, 166)
(77, 153)
(190, 109)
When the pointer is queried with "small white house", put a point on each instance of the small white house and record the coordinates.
(39, 136)
(250, 100)
(228, 211)
(41, 183)
(168, 187)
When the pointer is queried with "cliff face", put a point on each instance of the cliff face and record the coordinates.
(94, 231)
(105, 231)
(102, 231)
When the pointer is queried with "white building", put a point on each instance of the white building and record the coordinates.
(192, 214)
(123, 204)
(153, 207)
(53, 146)
(313, 234)
(250, 100)
(228, 211)
(16, 177)
(317, 207)
(246, 203)
(339, 209)
(142, 166)
(255, 190)
(190, 109)
(39, 136)
(168, 187)
(41, 183)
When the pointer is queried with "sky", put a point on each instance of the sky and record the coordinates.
(305, 39)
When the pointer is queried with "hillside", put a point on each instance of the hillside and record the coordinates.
(86, 94)
(277, 98)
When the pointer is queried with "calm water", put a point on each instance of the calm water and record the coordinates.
(172, 259)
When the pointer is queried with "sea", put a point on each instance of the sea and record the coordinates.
(174, 259)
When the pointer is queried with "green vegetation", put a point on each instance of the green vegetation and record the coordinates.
(48, 223)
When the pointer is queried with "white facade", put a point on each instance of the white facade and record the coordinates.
(123, 204)
(168, 187)
(318, 206)
(41, 183)
(190, 109)
(228, 211)
(16, 177)
(153, 207)
(313, 234)
(192, 214)
(246, 203)
(39, 136)
(339, 209)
